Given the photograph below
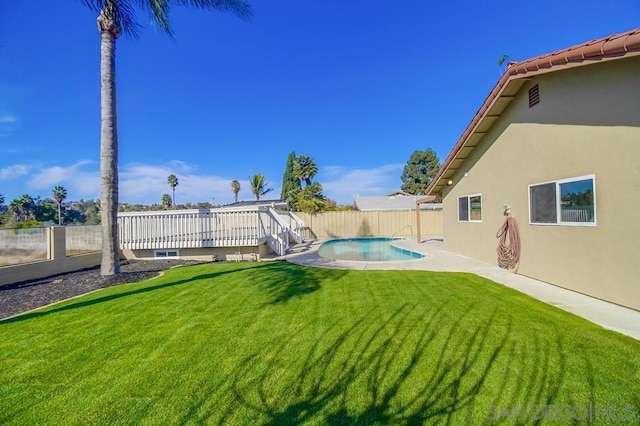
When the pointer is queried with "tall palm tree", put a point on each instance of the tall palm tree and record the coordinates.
(259, 186)
(172, 180)
(115, 16)
(235, 188)
(59, 194)
(166, 201)
(305, 168)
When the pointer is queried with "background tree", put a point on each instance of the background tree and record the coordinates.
(75, 215)
(59, 194)
(259, 186)
(419, 171)
(115, 16)
(235, 189)
(290, 184)
(166, 201)
(305, 168)
(23, 209)
(311, 200)
(172, 180)
(44, 211)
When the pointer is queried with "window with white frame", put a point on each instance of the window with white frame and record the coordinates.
(563, 202)
(470, 208)
(161, 254)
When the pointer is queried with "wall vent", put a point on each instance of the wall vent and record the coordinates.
(534, 96)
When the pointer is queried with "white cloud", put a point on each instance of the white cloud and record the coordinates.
(73, 176)
(138, 182)
(13, 172)
(8, 118)
(342, 184)
(145, 183)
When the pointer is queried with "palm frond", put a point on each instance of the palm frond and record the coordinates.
(502, 58)
(240, 8)
(124, 11)
(95, 5)
(126, 17)
(159, 11)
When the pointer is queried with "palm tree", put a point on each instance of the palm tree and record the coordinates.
(59, 194)
(114, 16)
(173, 182)
(166, 201)
(22, 209)
(259, 186)
(311, 200)
(305, 168)
(235, 188)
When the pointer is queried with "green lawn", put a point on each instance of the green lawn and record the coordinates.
(274, 343)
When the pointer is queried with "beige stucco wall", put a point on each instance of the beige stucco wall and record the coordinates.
(400, 223)
(58, 262)
(46, 268)
(588, 122)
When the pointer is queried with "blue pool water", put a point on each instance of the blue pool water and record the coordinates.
(365, 250)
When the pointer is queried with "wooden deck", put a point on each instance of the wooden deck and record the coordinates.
(175, 229)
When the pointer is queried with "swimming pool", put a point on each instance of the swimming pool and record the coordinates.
(366, 250)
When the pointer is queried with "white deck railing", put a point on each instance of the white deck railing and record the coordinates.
(203, 228)
(294, 225)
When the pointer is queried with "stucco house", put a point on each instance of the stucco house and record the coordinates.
(556, 145)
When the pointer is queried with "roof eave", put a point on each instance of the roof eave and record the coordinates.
(608, 48)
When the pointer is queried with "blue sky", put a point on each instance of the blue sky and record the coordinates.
(358, 85)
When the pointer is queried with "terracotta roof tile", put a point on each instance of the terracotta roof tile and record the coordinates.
(610, 47)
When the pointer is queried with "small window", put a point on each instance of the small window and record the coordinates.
(463, 209)
(161, 254)
(543, 206)
(470, 208)
(534, 96)
(563, 202)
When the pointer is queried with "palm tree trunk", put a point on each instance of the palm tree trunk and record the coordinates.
(59, 214)
(109, 31)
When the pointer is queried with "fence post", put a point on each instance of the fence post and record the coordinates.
(418, 230)
(56, 243)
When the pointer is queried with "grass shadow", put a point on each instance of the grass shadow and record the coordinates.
(285, 281)
(111, 297)
(369, 354)
(281, 281)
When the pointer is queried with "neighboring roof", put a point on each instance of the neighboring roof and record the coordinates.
(254, 203)
(393, 202)
(399, 192)
(604, 49)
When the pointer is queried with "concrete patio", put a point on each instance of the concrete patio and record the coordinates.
(605, 314)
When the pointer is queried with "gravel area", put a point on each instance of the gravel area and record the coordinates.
(27, 295)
